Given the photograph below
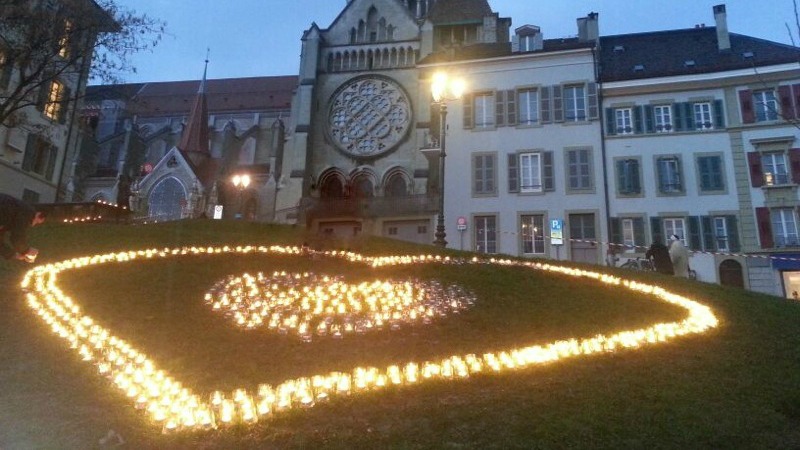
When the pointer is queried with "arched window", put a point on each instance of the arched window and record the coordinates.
(167, 200)
(353, 35)
(382, 29)
(362, 29)
(363, 188)
(372, 25)
(390, 33)
(330, 62)
(332, 187)
(396, 186)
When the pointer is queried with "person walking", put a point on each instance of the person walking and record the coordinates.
(679, 256)
(16, 217)
(659, 254)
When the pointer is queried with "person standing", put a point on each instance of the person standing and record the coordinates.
(679, 256)
(16, 217)
(659, 254)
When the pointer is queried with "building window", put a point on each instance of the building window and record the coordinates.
(52, 109)
(574, 103)
(422, 229)
(669, 175)
(628, 235)
(702, 116)
(486, 234)
(484, 110)
(530, 168)
(40, 156)
(30, 197)
(784, 227)
(63, 43)
(677, 227)
(392, 231)
(663, 118)
(709, 170)
(628, 177)
(579, 169)
(766, 106)
(624, 120)
(528, 107)
(484, 174)
(532, 234)
(774, 167)
(721, 234)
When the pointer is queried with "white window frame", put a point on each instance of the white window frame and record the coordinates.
(672, 167)
(703, 116)
(52, 109)
(532, 234)
(662, 115)
(486, 243)
(765, 105)
(624, 120)
(721, 234)
(784, 227)
(628, 235)
(483, 116)
(528, 102)
(574, 98)
(530, 172)
(677, 226)
(774, 168)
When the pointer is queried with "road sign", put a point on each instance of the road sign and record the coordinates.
(461, 223)
(557, 232)
(218, 211)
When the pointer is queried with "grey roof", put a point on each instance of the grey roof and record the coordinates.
(685, 52)
(445, 12)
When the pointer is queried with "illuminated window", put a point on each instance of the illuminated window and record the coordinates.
(53, 107)
(532, 234)
(774, 166)
(63, 43)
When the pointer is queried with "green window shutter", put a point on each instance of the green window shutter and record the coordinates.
(500, 108)
(622, 187)
(547, 171)
(688, 116)
(649, 119)
(657, 229)
(558, 104)
(594, 109)
(611, 123)
(616, 233)
(719, 114)
(707, 223)
(546, 106)
(62, 114)
(695, 238)
(31, 147)
(511, 107)
(731, 224)
(51, 161)
(638, 126)
(513, 173)
(469, 122)
(477, 162)
(677, 108)
(638, 232)
(636, 184)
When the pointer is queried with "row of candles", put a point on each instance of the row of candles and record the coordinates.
(306, 304)
(173, 406)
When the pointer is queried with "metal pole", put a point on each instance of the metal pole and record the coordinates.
(440, 233)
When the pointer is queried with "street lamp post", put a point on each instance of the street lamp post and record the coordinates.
(443, 89)
(241, 182)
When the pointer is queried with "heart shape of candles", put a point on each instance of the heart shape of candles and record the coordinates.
(173, 406)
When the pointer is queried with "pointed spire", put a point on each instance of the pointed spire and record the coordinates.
(194, 141)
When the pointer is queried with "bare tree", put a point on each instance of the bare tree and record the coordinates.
(43, 41)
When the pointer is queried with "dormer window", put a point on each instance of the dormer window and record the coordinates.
(619, 48)
(638, 68)
(689, 63)
(748, 55)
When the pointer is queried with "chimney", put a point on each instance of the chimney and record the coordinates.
(723, 38)
(588, 28)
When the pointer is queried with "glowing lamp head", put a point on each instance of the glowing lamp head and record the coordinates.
(241, 181)
(443, 87)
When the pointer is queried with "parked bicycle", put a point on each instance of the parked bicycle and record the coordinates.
(638, 263)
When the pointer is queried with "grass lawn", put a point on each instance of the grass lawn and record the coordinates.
(736, 386)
